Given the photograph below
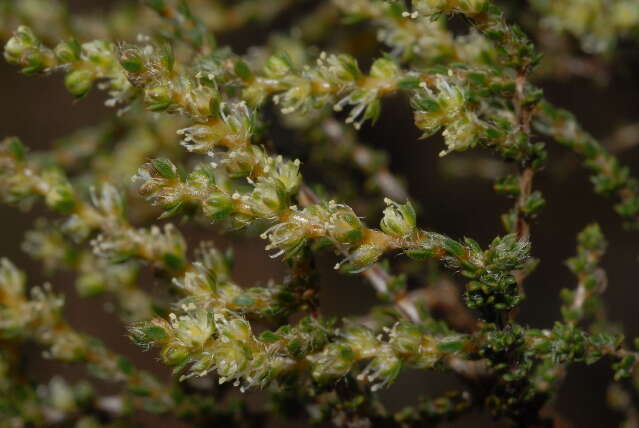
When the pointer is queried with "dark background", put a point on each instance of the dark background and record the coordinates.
(38, 109)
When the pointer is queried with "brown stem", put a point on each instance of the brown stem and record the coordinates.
(523, 115)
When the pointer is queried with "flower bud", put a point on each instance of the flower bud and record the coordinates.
(218, 206)
(461, 134)
(267, 200)
(288, 175)
(241, 163)
(341, 69)
(254, 95)
(277, 66)
(406, 339)
(364, 256)
(361, 340)
(158, 98)
(174, 355)
(287, 237)
(344, 226)
(61, 395)
(69, 346)
(108, 200)
(153, 332)
(22, 41)
(79, 82)
(90, 284)
(230, 359)
(295, 98)
(60, 196)
(193, 329)
(432, 111)
(384, 68)
(384, 369)
(12, 280)
(215, 263)
(131, 60)
(399, 220)
(335, 361)
(76, 227)
(236, 329)
(68, 52)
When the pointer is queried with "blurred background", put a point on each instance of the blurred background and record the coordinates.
(39, 110)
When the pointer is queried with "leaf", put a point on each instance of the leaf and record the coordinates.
(451, 347)
(165, 168)
(155, 333)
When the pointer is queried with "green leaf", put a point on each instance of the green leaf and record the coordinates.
(158, 5)
(451, 347)
(269, 336)
(131, 60)
(17, 149)
(295, 348)
(244, 300)
(173, 261)
(454, 248)
(172, 211)
(155, 333)
(243, 71)
(124, 365)
(165, 168)
(420, 253)
(410, 82)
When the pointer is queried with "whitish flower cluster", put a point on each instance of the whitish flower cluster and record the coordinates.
(598, 24)
(84, 64)
(207, 285)
(23, 182)
(447, 107)
(39, 318)
(338, 224)
(95, 275)
(126, 21)
(419, 35)
(220, 340)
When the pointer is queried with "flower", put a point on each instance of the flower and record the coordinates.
(399, 220)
